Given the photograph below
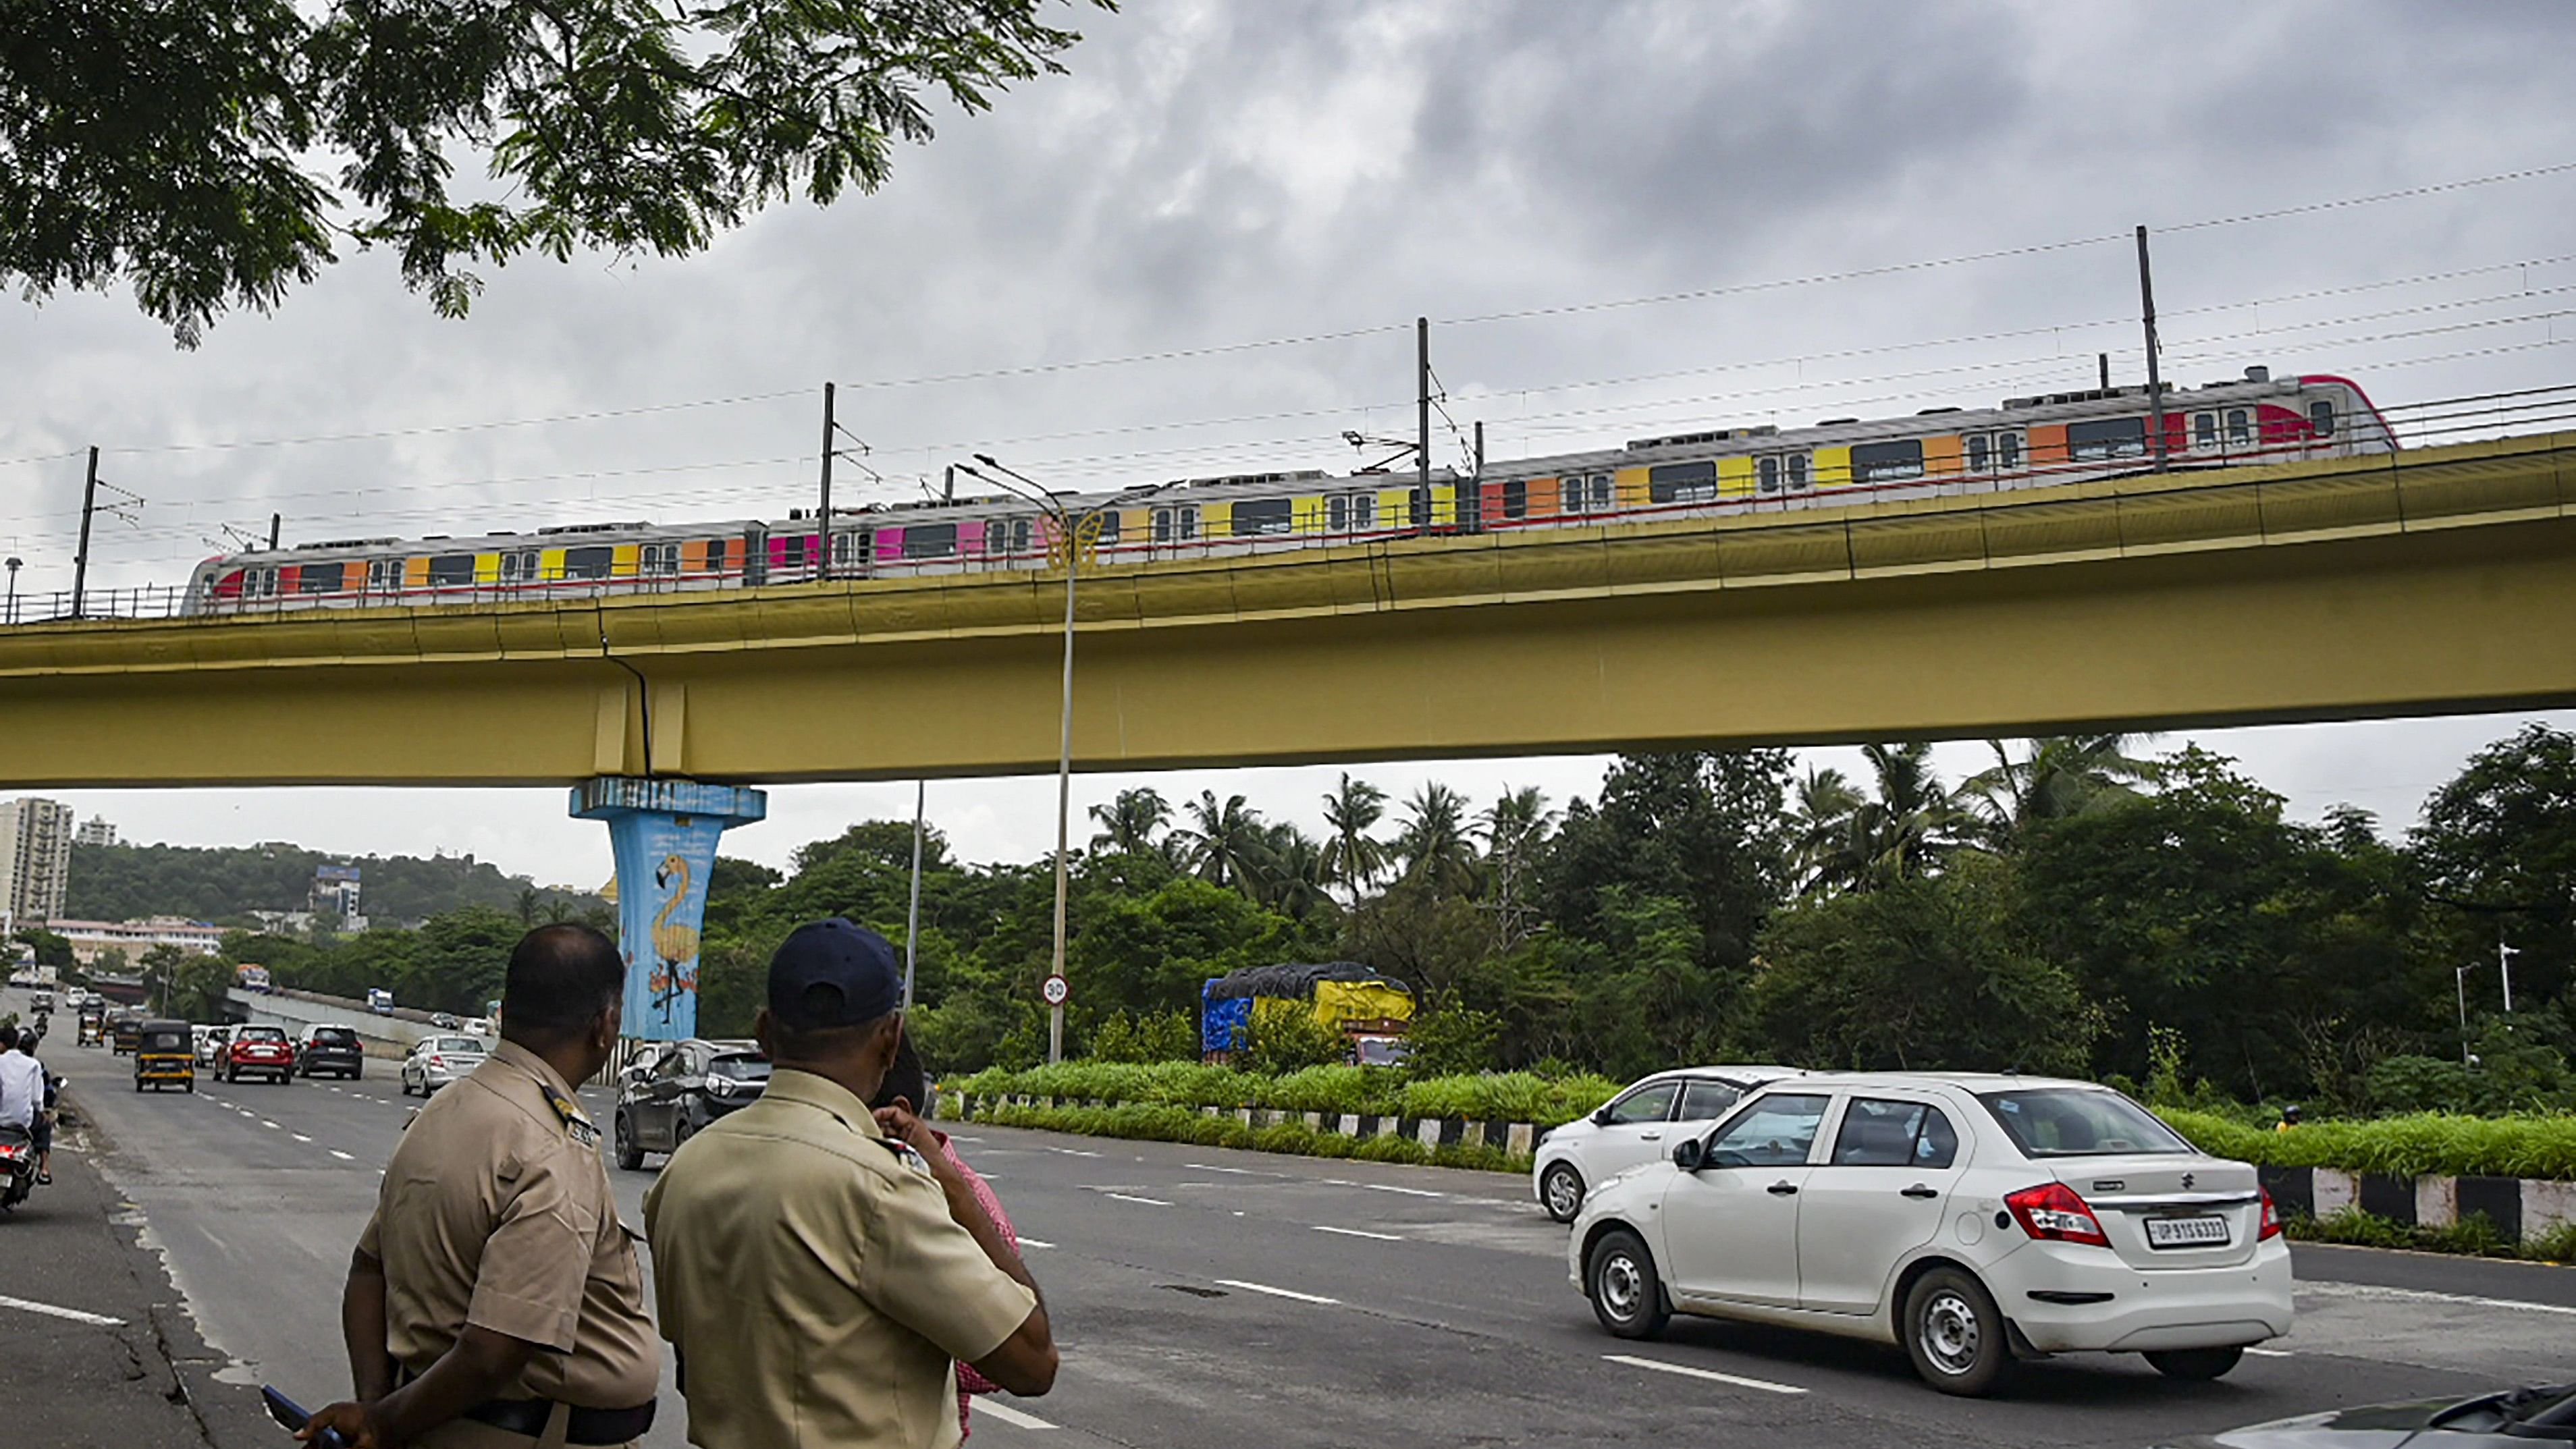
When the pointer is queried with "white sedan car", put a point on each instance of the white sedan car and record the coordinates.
(1636, 1127)
(438, 1060)
(1973, 1220)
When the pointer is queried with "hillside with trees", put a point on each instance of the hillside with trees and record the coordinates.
(226, 883)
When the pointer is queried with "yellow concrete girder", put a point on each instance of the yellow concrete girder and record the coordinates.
(2433, 580)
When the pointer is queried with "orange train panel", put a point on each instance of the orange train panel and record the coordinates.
(2047, 445)
(693, 556)
(1941, 456)
(1542, 498)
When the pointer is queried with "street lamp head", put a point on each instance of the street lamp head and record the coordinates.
(1354, 438)
(987, 460)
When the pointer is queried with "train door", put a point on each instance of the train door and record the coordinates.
(755, 556)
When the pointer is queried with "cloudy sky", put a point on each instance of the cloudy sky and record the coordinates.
(1622, 218)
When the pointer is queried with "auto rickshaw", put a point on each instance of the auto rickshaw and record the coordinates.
(123, 1032)
(164, 1056)
(93, 1027)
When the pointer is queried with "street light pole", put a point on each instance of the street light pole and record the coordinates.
(2504, 966)
(2460, 983)
(1069, 530)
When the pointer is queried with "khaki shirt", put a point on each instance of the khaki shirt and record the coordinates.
(496, 1212)
(813, 1282)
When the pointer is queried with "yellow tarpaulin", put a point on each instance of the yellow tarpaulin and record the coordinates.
(1340, 1001)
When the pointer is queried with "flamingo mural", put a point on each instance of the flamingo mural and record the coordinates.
(664, 833)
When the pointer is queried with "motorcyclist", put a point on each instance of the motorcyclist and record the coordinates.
(43, 1129)
(22, 1097)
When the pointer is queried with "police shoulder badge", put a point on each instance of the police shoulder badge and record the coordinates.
(576, 1126)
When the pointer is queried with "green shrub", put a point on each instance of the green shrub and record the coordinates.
(1294, 1137)
(2557, 1245)
(2353, 1226)
(1283, 1041)
(1391, 1149)
(2473, 1236)
(2417, 1145)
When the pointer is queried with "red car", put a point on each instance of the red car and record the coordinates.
(260, 1051)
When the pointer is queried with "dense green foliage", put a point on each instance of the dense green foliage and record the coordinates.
(225, 883)
(175, 146)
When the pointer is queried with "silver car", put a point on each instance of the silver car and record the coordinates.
(438, 1060)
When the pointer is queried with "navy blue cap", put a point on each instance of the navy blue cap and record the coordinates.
(833, 973)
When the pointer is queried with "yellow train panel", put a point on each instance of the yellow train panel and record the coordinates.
(1941, 457)
(1306, 515)
(487, 568)
(550, 564)
(1833, 467)
(1631, 483)
(625, 563)
(1735, 477)
(1216, 520)
(1395, 508)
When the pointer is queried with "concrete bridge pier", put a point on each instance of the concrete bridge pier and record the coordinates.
(664, 833)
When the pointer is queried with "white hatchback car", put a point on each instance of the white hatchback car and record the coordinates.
(1634, 1128)
(1970, 1219)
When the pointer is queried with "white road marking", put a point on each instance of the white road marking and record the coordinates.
(28, 1305)
(245, 1111)
(344, 1157)
(960, 1137)
(2269, 1352)
(271, 1126)
(1357, 1233)
(1016, 1418)
(1131, 1197)
(1073, 1152)
(1035, 1243)
(298, 1136)
(1278, 1292)
(2420, 1295)
(1741, 1382)
(1209, 1167)
(1407, 1191)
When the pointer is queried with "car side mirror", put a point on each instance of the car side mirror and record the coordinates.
(1686, 1154)
(1601, 1118)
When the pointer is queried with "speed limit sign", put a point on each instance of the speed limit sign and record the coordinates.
(1055, 991)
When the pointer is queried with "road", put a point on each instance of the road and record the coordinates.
(1206, 1297)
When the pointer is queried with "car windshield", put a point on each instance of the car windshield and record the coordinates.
(261, 1033)
(336, 1036)
(458, 1045)
(2077, 1122)
(741, 1069)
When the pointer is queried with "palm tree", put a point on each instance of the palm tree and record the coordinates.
(1912, 822)
(1434, 844)
(1289, 876)
(1352, 855)
(2063, 776)
(1514, 828)
(1223, 841)
(1822, 842)
(1129, 820)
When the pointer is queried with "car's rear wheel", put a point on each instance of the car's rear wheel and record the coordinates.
(1955, 1334)
(2194, 1365)
(1560, 1191)
(629, 1156)
(1627, 1295)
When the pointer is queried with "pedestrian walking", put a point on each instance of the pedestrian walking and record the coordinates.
(907, 1089)
(819, 1282)
(494, 1301)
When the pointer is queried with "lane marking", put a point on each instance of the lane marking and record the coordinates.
(29, 1305)
(1357, 1233)
(960, 1137)
(1016, 1418)
(1131, 1197)
(1210, 1167)
(344, 1157)
(298, 1136)
(1279, 1292)
(271, 1126)
(2422, 1295)
(1407, 1191)
(1712, 1375)
(1073, 1152)
(1035, 1243)
(2269, 1352)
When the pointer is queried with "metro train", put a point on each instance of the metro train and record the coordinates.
(2026, 442)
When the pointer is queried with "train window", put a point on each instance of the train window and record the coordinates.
(2007, 450)
(451, 570)
(1008, 535)
(2204, 430)
(1417, 505)
(1363, 510)
(1185, 522)
(2240, 429)
(2102, 439)
(1683, 483)
(664, 558)
(1586, 493)
(376, 571)
(1794, 466)
(582, 563)
(935, 540)
(1978, 452)
(319, 579)
(843, 546)
(1162, 525)
(1105, 531)
(1337, 513)
(259, 583)
(514, 568)
(2321, 417)
(1887, 462)
(1516, 498)
(1259, 518)
(1768, 470)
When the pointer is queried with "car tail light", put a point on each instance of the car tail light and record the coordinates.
(2271, 1218)
(439, 1062)
(2053, 1212)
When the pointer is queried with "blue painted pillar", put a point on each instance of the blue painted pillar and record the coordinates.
(664, 833)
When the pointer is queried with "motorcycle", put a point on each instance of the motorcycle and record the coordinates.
(17, 1166)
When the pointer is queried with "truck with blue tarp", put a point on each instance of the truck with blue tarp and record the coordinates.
(1367, 1006)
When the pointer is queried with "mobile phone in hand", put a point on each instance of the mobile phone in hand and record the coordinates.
(293, 1416)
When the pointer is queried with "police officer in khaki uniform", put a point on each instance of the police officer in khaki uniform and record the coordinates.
(818, 1279)
(494, 1300)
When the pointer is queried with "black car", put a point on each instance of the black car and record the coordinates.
(333, 1050)
(665, 1098)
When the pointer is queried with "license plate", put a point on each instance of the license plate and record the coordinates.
(2208, 1231)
